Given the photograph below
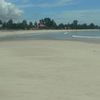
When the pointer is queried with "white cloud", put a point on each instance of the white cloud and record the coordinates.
(9, 11)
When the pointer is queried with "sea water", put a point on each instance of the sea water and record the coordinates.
(71, 35)
(86, 34)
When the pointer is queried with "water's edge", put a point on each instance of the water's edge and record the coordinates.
(90, 36)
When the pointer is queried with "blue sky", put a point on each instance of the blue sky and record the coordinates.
(61, 10)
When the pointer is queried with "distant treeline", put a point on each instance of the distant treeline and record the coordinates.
(45, 23)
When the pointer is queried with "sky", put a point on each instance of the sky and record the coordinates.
(60, 10)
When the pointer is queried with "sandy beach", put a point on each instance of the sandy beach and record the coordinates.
(15, 32)
(49, 69)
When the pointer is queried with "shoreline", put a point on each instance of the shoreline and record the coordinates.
(5, 35)
(11, 32)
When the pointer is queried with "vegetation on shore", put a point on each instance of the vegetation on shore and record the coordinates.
(46, 23)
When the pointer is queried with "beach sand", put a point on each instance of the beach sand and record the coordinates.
(16, 32)
(49, 70)
(19, 32)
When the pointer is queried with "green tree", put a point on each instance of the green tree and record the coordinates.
(35, 24)
(61, 26)
(0, 21)
(54, 25)
(0, 24)
(41, 21)
(91, 26)
(75, 24)
(10, 24)
(24, 24)
(84, 26)
(49, 23)
(30, 25)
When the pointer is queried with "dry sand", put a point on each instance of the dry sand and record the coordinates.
(14, 32)
(49, 70)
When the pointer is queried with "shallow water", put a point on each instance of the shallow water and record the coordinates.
(87, 34)
(75, 35)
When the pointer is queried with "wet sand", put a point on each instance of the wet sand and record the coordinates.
(16, 32)
(49, 70)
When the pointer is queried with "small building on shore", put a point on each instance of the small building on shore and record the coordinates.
(41, 26)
